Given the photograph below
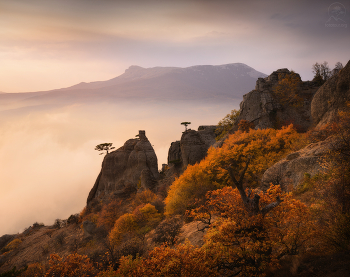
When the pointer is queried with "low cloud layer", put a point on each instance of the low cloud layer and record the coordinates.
(48, 161)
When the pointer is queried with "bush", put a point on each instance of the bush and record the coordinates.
(71, 266)
(134, 247)
(34, 270)
(58, 223)
(73, 219)
(110, 213)
(167, 231)
(145, 197)
(11, 245)
(125, 225)
(38, 225)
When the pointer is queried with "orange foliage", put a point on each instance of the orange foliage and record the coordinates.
(126, 224)
(34, 270)
(71, 266)
(144, 197)
(183, 260)
(110, 214)
(265, 147)
(241, 242)
(245, 125)
(286, 90)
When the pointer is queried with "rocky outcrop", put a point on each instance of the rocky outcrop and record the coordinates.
(261, 107)
(192, 147)
(121, 169)
(331, 97)
(291, 170)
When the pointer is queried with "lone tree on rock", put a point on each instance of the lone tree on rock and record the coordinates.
(185, 123)
(104, 147)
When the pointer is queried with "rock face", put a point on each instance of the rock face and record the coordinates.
(292, 169)
(331, 97)
(192, 147)
(122, 169)
(261, 107)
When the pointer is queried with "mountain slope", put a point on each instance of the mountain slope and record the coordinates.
(205, 82)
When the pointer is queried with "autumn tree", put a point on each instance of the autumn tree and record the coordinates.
(287, 88)
(252, 151)
(245, 240)
(110, 213)
(226, 124)
(104, 147)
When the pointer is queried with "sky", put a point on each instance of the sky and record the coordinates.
(49, 44)
(47, 160)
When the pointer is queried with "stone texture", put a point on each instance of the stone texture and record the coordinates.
(121, 169)
(147, 179)
(192, 148)
(331, 97)
(261, 107)
(291, 170)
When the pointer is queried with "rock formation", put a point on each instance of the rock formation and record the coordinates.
(192, 147)
(122, 169)
(331, 97)
(291, 170)
(261, 106)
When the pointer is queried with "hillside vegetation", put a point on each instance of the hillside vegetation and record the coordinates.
(242, 227)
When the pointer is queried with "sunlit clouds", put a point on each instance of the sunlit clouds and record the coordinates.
(53, 44)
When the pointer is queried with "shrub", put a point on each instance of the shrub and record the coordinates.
(73, 219)
(11, 245)
(133, 247)
(146, 196)
(110, 214)
(183, 260)
(71, 266)
(245, 125)
(34, 270)
(58, 223)
(167, 231)
(125, 225)
(38, 225)
(226, 124)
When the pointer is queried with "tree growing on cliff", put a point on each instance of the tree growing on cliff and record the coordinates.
(186, 124)
(226, 124)
(104, 147)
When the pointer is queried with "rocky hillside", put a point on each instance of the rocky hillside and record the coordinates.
(125, 208)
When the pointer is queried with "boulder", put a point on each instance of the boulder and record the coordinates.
(192, 147)
(121, 169)
(331, 97)
(291, 170)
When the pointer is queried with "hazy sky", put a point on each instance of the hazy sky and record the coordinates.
(48, 44)
(47, 160)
